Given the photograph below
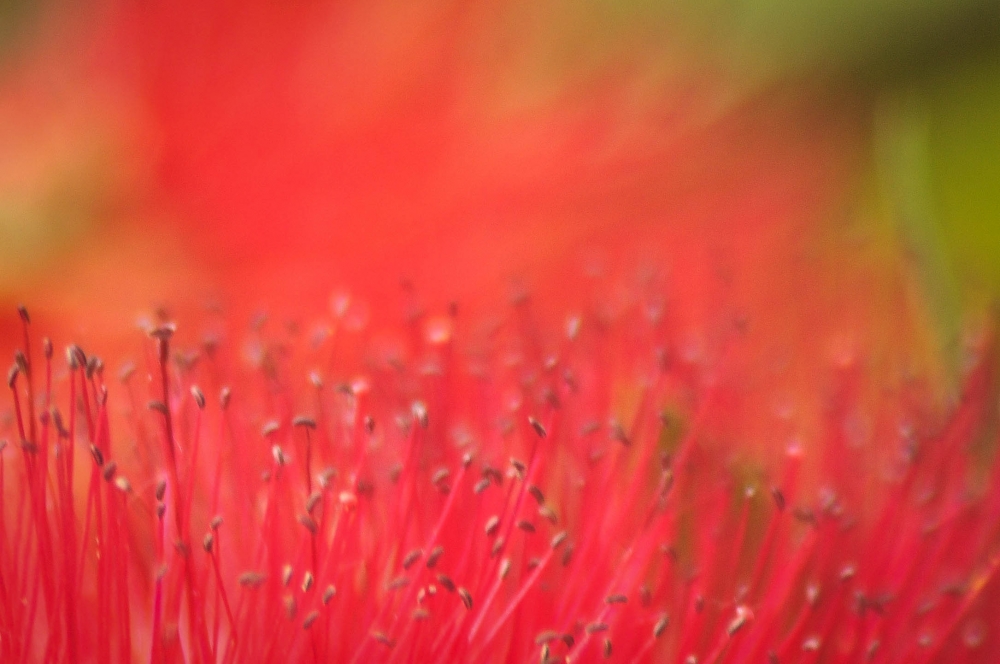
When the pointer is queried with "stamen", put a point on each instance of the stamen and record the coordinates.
(434, 556)
(411, 558)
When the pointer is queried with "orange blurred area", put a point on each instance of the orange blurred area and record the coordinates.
(267, 156)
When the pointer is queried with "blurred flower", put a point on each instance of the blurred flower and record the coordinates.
(725, 413)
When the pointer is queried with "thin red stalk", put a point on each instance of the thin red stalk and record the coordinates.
(30, 623)
(6, 622)
(508, 526)
(225, 599)
(156, 643)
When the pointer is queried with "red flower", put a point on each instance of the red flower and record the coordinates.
(535, 495)
(732, 461)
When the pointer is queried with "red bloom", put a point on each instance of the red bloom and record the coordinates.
(663, 468)
(533, 495)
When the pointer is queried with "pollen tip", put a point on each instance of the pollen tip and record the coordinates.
(399, 582)
(163, 332)
(198, 396)
(251, 580)
(519, 467)
(446, 583)
(779, 498)
(434, 556)
(310, 618)
(309, 523)
(742, 617)
(304, 421)
(537, 494)
(412, 557)
(661, 626)
(158, 406)
(419, 411)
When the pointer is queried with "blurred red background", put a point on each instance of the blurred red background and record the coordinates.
(267, 155)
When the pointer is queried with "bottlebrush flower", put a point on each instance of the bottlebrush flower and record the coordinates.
(518, 494)
(546, 488)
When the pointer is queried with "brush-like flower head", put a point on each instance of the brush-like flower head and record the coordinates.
(522, 493)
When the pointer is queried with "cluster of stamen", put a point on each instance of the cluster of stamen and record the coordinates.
(507, 504)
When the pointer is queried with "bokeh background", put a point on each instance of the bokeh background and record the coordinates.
(828, 168)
